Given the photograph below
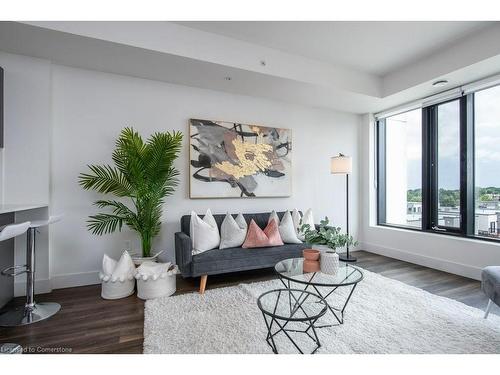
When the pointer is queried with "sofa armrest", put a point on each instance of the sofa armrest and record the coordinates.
(183, 252)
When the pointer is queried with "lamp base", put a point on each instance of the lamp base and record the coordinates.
(347, 258)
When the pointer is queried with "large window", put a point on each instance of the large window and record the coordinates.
(403, 168)
(448, 164)
(487, 162)
(438, 167)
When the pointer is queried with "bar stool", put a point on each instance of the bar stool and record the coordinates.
(31, 312)
(8, 232)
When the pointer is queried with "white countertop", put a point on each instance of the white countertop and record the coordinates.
(8, 208)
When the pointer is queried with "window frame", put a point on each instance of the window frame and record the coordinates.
(429, 172)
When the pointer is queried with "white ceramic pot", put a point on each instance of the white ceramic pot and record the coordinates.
(156, 280)
(321, 248)
(329, 262)
(138, 259)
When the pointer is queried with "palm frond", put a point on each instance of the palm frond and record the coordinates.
(106, 179)
(104, 223)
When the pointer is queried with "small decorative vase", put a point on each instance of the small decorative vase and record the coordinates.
(310, 254)
(310, 266)
(329, 262)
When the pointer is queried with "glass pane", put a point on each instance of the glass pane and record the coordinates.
(487, 158)
(404, 169)
(448, 164)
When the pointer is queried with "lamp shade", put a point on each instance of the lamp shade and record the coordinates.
(341, 164)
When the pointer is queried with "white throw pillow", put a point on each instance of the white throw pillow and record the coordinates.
(233, 232)
(274, 216)
(204, 233)
(286, 228)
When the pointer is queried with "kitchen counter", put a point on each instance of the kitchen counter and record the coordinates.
(8, 208)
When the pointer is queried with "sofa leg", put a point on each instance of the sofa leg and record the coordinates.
(203, 283)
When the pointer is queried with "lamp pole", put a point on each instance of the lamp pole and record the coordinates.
(347, 257)
(342, 164)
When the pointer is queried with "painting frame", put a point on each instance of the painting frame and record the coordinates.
(289, 192)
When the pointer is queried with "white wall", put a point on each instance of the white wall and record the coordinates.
(25, 160)
(456, 255)
(90, 108)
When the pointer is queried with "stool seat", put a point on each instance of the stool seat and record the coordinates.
(13, 230)
(42, 223)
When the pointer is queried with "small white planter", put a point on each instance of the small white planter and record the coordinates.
(329, 262)
(138, 259)
(156, 280)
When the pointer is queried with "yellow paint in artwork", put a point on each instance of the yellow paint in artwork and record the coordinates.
(251, 159)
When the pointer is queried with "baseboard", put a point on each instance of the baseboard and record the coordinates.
(423, 260)
(75, 279)
(58, 282)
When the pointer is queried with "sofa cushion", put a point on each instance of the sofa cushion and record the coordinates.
(238, 259)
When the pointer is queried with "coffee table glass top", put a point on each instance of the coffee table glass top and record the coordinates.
(292, 305)
(292, 269)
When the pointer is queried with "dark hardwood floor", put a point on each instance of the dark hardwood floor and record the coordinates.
(89, 324)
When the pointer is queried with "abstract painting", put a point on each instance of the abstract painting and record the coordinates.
(229, 160)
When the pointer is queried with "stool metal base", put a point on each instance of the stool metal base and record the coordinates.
(22, 316)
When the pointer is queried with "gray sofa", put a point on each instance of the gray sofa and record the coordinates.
(236, 259)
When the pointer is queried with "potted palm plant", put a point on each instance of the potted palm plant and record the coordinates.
(142, 177)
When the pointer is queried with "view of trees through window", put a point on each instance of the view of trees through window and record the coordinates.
(403, 166)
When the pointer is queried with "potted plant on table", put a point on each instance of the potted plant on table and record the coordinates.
(327, 239)
(144, 175)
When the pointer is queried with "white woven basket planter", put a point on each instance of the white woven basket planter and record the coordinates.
(156, 280)
(117, 287)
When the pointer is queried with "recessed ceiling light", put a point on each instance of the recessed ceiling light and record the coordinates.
(263, 62)
(227, 78)
(440, 83)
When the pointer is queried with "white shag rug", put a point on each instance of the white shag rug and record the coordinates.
(383, 316)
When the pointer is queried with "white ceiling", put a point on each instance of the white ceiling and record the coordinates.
(175, 53)
(372, 47)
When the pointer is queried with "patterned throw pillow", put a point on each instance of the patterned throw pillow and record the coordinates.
(299, 221)
(257, 237)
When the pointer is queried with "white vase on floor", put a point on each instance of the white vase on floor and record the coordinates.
(329, 262)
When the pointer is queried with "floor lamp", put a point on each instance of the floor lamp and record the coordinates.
(342, 164)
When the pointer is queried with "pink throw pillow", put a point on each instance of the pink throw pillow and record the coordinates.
(257, 237)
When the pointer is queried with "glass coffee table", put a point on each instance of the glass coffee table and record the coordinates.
(325, 286)
(281, 308)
